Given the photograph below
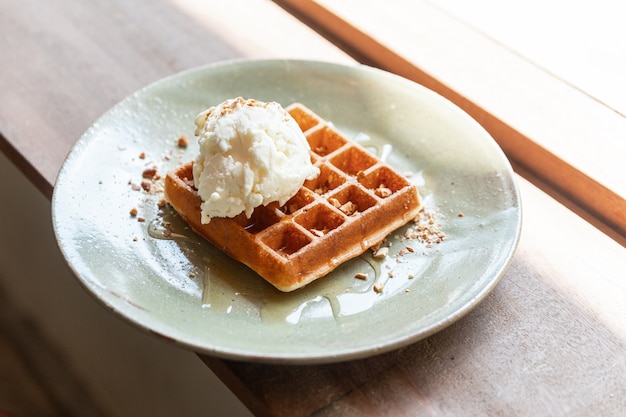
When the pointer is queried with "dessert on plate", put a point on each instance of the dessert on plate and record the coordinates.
(284, 192)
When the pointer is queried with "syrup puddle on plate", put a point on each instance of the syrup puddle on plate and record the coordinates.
(229, 287)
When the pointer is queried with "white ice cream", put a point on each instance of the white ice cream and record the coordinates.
(251, 153)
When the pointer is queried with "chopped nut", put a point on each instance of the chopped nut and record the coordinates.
(410, 249)
(378, 287)
(133, 212)
(348, 208)
(381, 252)
(146, 185)
(382, 191)
(141, 219)
(460, 214)
(322, 189)
(142, 155)
(426, 229)
(149, 173)
(361, 275)
(182, 141)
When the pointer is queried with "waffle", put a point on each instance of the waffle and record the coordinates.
(355, 202)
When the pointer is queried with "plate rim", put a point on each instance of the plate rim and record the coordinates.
(293, 357)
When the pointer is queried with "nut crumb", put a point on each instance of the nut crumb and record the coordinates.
(460, 214)
(149, 173)
(381, 252)
(182, 141)
(360, 275)
(348, 208)
(378, 288)
(425, 229)
(146, 185)
(141, 219)
(382, 191)
(142, 155)
(133, 212)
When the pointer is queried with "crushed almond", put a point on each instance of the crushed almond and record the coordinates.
(334, 202)
(146, 185)
(322, 189)
(425, 229)
(149, 173)
(182, 141)
(348, 208)
(360, 275)
(381, 252)
(382, 191)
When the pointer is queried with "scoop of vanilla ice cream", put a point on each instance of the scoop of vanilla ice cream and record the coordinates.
(252, 153)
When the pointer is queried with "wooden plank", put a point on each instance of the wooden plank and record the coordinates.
(66, 62)
(565, 141)
(550, 340)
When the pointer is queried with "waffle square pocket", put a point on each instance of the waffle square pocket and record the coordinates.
(352, 205)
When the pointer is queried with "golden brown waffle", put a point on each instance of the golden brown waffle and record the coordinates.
(353, 204)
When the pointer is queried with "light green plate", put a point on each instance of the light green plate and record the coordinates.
(187, 291)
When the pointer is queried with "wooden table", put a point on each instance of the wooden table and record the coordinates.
(551, 338)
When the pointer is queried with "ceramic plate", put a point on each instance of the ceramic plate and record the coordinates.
(180, 287)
